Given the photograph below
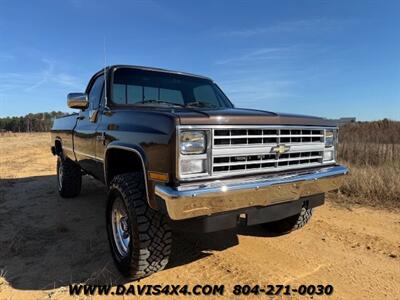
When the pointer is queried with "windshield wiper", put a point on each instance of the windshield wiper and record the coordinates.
(187, 105)
(200, 104)
(159, 102)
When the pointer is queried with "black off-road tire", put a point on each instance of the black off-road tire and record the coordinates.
(150, 237)
(69, 178)
(291, 223)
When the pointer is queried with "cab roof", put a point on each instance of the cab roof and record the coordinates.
(153, 69)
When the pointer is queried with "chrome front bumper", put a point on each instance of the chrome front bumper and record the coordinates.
(189, 201)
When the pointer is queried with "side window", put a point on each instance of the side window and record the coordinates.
(95, 93)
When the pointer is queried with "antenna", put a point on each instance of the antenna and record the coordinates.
(105, 72)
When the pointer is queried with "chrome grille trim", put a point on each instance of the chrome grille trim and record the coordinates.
(265, 161)
(249, 150)
(217, 132)
(249, 136)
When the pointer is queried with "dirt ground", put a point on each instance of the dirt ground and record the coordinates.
(47, 242)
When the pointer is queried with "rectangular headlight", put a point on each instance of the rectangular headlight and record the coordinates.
(192, 142)
(328, 155)
(193, 166)
(330, 137)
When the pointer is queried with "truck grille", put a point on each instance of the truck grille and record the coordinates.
(227, 137)
(253, 150)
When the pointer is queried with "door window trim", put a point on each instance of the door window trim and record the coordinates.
(89, 89)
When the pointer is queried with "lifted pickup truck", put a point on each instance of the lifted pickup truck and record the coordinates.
(175, 153)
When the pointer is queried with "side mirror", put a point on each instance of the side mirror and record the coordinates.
(78, 100)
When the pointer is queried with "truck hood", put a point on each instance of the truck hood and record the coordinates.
(240, 116)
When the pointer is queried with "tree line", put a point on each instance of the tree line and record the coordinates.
(30, 123)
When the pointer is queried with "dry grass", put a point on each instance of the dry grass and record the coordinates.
(374, 186)
(8, 134)
(372, 151)
(370, 143)
(33, 154)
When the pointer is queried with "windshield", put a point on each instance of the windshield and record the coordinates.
(141, 87)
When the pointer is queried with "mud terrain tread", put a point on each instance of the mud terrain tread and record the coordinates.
(151, 236)
(291, 223)
(72, 178)
(303, 218)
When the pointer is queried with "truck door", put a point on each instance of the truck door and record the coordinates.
(85, 130)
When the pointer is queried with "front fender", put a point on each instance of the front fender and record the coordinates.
(139, 152)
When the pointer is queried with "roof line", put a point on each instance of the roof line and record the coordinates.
(154, 70)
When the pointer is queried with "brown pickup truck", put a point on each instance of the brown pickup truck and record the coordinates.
(174, 152)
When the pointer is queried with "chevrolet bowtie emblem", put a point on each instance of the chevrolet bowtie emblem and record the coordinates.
(280, 149)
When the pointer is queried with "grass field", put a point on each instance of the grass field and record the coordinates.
(372, 151)
(47, 242)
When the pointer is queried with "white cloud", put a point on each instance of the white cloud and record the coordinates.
(6, 57)
(67, 80)
(43, 76)
(260, 55)
(78, 4)
(320, 24)
(253, 92)
(19, 82)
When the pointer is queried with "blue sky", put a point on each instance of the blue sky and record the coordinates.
(326, 58)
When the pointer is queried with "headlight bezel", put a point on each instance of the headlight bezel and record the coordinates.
(330, 145)
(183, 156)
(330, 137)
(198, 142)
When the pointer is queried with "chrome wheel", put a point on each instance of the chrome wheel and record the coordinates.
(120, 227)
